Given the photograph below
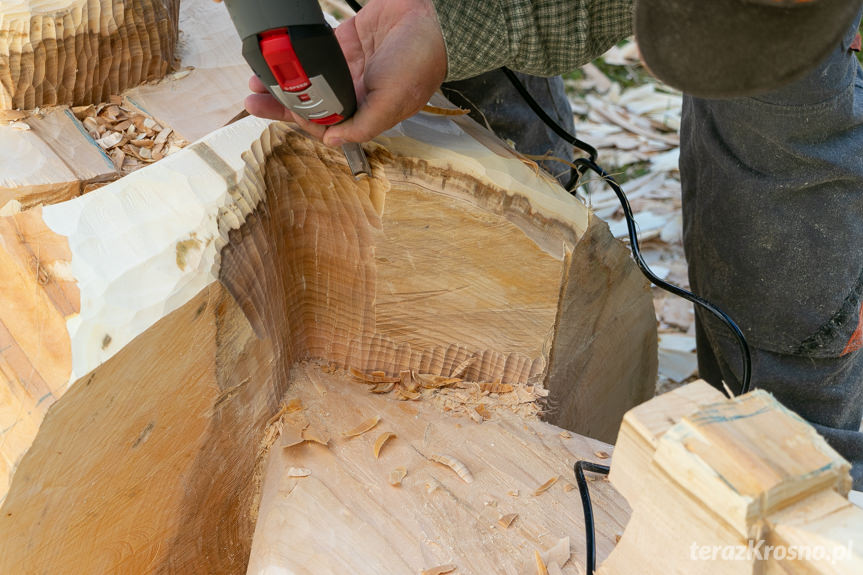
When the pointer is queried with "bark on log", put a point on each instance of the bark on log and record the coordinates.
(81, 52)
(162, 382)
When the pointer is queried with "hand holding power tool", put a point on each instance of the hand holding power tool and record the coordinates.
(295, 54)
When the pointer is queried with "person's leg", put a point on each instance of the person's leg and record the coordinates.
(494, 103)
(773, 231)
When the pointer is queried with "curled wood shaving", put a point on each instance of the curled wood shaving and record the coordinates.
(601, 454)
(397, 475)
(460, 468)
(430, 381)
(506, 520)
(463, 366)
(546, 486)
(380, 441)
(373, 377)
(363, 427)
(438, 111)
(383, 387)
(407, 395)
(439, 570)
(299, 472)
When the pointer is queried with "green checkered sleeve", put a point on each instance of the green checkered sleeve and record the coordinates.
(540, 37)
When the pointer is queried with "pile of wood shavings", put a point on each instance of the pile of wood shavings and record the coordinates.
(477, 400)
(131, 138)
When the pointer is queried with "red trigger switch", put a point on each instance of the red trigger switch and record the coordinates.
(279, 53)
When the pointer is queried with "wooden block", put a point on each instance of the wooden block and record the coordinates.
(202, 283)
(711, 485)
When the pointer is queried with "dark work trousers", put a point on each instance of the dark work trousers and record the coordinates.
(494, 103)
(773, 231)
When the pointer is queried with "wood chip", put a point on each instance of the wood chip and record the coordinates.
(380, 441)
(20, 126)
(460, 468)
(299, 472)
(397, 475)
(316, 435)
(463, 366)
(363, 427)
(540, 564)
(546, 486)
(430, 381)
(110, 140)
(383, 387)
(565, 434)
(407, 395)
(601, 454)
(506, 520)
(483, 411)
(439, 570)
(567, 487)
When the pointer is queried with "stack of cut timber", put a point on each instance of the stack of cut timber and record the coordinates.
(740, 486)
(152, 333)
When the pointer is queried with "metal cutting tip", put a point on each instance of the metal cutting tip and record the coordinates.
(357, 160)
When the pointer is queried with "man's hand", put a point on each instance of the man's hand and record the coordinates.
(397, 58)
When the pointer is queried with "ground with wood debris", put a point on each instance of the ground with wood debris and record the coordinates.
(634, 122)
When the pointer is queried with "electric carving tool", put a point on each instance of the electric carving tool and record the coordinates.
(294, 52)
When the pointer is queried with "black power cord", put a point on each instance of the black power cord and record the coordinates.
(355, 6)
(582, 166)
(589, 530)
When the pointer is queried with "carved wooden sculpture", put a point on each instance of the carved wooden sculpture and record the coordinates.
(153, 334)
(80, 52)
(54, 154)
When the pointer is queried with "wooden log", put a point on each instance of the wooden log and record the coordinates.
(150, 329)
(81, 52)
(731, 486)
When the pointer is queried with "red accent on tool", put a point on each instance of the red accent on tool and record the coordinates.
(304, 98)
(855, 45)
(329, 120)
(283, 62)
